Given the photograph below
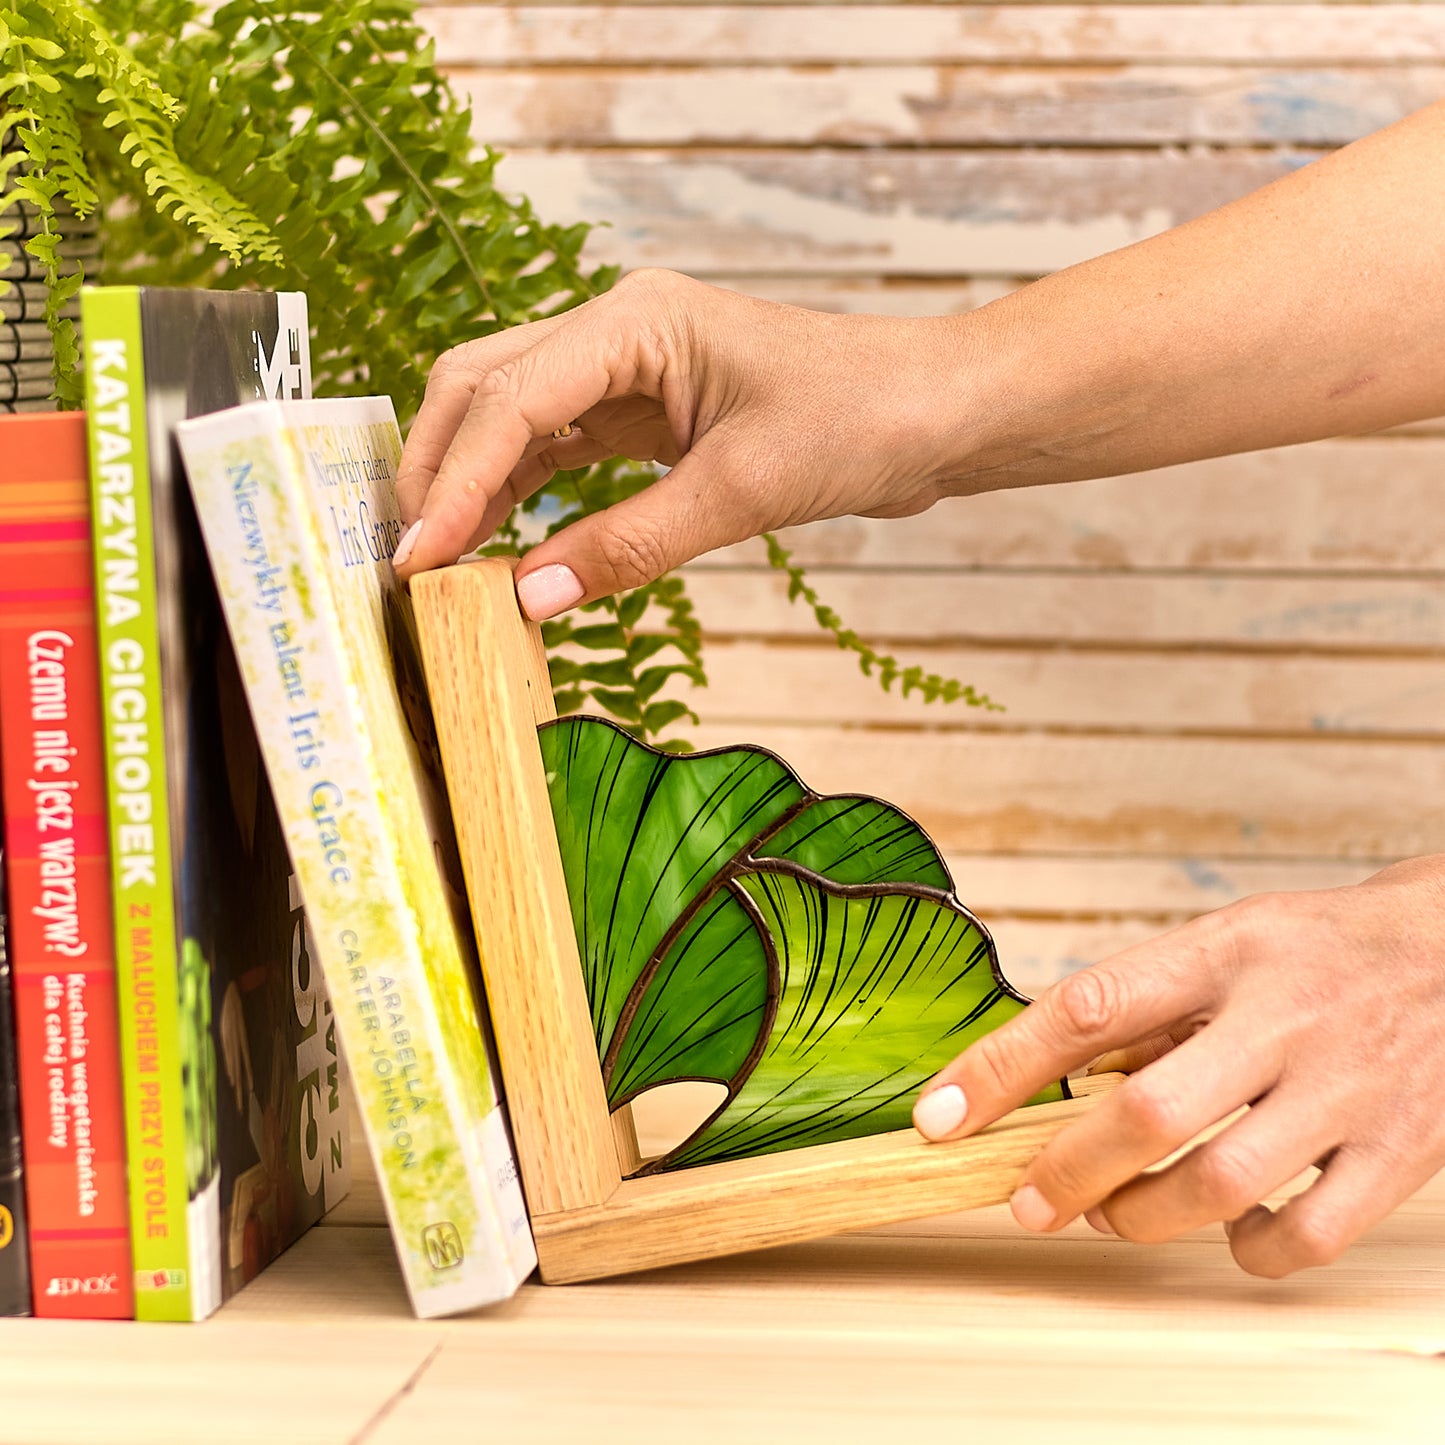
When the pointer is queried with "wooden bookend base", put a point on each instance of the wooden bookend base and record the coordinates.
(488, 682)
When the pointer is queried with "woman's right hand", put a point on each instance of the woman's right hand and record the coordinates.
(767, 416)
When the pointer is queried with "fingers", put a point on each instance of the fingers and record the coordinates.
(1144, 1121)
(1133, 995)
(1133, 1058)
(536, 468)
(481, 417)
(542, 391)
(1228, 1175)
(689, 511)
(1357, 1189)
(530, 475)
(449, 392)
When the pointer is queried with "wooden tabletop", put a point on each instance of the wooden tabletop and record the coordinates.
(915, 1332)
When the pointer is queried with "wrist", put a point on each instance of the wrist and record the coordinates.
(1038, 392)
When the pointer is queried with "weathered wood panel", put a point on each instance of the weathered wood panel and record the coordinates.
(1050, 916)
(1033, 953)
(1182, 610)
(1222, 677)
(1188, 693)
(1060, 887)
(1239, 798)
(1362, 505)
(544, 35)
(774, 105)
(922, 213)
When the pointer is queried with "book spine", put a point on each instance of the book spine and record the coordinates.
(58, 872)
(14, 1257)
(454, 1246)
(147, 982)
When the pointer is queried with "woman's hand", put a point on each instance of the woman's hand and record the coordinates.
(767, 415)
(1182, 346)
(1323, 1011)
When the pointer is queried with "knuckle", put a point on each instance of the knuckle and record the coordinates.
(1141, 1226)
(1063, 1177)
(1249, 925)
(455, 511)
(456, 369)
(1151, 1114)
(634, 552)
(1314, 1238)
(444, 368)
(649, 282)
(1085, 1003)
(1228, 1178)
(994, 1063)
(496, 386)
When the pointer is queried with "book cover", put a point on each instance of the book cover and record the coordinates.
(298, 507)
(14, 1254)
(235, 1122)
(58, 869)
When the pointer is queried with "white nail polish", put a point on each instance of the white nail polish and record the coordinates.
(404, 547)
(548, 591)
(939, 1112)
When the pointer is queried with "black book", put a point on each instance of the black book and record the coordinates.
(14, 1236)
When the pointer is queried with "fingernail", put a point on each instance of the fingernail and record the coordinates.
(1096, 1219)
(1031, 1209)
(548, 591)
(940, 1111)
(408, 541)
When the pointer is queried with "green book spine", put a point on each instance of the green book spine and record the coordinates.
(138, 810)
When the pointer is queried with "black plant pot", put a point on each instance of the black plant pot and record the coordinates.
(26, 351)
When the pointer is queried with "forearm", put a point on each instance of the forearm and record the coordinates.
(1311, 308)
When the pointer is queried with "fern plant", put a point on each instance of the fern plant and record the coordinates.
(315, 146)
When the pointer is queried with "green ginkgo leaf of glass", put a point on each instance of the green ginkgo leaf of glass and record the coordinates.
(805, 952)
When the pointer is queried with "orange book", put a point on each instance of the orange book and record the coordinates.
(52, 765)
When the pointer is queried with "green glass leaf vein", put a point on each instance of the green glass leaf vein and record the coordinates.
(805, 952)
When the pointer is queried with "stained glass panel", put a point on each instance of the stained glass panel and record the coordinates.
(806, 952)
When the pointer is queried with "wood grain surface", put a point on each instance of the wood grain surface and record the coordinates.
(937, 1326)
(489, 691)
(799, 1194)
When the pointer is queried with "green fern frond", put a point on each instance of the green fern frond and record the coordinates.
(281, 143)
(141, 114)
(931, 686)
(47, 167)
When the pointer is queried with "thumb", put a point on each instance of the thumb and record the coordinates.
(689, 511)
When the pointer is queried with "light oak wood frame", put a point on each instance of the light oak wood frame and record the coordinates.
(487, 675)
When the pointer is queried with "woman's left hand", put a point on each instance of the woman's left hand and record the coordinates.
(1323, 1011)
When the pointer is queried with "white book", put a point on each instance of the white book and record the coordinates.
(298, 507)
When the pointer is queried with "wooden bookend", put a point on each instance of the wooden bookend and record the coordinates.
(488, 680)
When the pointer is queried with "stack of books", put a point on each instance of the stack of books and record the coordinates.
(184, 768)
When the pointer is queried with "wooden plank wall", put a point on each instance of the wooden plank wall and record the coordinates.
(1221, 679)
